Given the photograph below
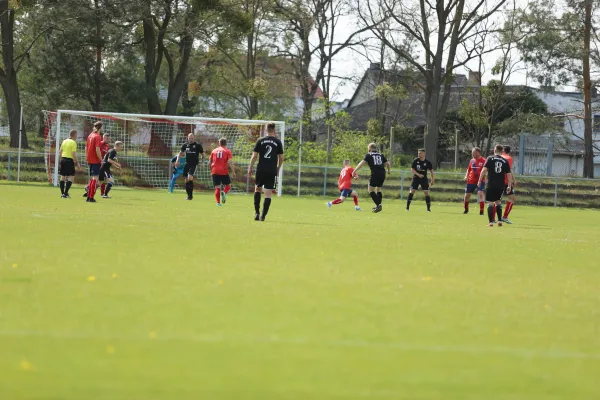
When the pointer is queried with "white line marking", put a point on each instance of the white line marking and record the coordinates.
(275, 339)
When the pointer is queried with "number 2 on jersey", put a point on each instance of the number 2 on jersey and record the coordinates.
(268, 153)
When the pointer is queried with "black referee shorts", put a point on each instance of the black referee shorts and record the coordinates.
(104, 174)
(494, 193)
(67, 167)
(416, 182)
(266, 179)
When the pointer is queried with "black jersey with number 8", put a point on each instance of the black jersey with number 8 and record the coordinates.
(497, 168)
(268, 148)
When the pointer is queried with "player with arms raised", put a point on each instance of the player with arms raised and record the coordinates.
(192, 152)
(496, 168)
(220, 163)
(94, 159)
(419, 168)
(472, 177)
(109, 159)
(345, 186)
(378, 164)
(269, 153)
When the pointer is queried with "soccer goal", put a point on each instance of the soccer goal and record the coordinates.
(150, 141)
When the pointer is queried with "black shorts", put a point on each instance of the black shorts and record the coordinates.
(266, 179)
(189, 170)
(219, 180)
(512, 190)
(377, 178)
(94, 169)
(67, 167)
(494, 193)
(104, 174)
(416, 182)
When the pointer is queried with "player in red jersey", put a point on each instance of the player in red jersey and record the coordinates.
(472, 177)
(220, 163)
(345, 186)
(104, 147)
(94, 159)
(510, 192)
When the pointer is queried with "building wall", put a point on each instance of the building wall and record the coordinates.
(562, 165)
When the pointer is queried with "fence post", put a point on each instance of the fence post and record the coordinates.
(325, 182)
(521, 154)
(549, 156)
(402, 186)
(556, 193)
(8, 169)
(20, 140)
(299, 157)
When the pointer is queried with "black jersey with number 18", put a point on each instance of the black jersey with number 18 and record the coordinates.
(497, 168)
(376, 161)
(268, 148)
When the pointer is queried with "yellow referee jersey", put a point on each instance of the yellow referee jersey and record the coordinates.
(68, 147)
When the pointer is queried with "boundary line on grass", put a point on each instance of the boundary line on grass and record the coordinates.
(275, 339)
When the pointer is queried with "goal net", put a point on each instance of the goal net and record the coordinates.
(150, 141)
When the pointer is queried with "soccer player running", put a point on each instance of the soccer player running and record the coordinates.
(177, 172)
(511, 193)
(419, 168)
(110, 159)
(192, 152)
(94, 159)
(221, 160)
(268, 151)
(378, 164)
(472, 177)
(345, 186)
(496, 168)
(68, 161)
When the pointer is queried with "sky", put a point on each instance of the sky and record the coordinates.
(351, 64)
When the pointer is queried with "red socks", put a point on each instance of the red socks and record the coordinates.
(466, 204)
(336, 201)
(92, 188)
(218, 194)
(481, 206)
(355, 200)
(103, 188)
(508, 209)
(227, 189)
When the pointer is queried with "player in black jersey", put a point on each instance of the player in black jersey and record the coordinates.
(496, 168)
(109, 159)
(419, 168)
(269, 152)
(378, 164)
(192, 152)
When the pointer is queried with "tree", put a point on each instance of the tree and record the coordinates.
(439, 29)
(558, 49)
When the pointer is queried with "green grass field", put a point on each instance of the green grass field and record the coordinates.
(147, 296)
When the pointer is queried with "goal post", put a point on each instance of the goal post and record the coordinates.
(150, 141)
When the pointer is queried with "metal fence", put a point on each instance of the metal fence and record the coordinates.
(322, 181)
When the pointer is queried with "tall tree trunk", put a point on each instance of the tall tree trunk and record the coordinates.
(178, 84)
(8, 75)
(588, 158)
(98, 64)
(149, 66)
(432, 130)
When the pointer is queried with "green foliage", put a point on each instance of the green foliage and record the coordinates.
(350, 145)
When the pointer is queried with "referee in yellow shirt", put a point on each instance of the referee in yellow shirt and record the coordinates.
(68, 160)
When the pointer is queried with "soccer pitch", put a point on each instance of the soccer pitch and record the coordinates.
(148, 296)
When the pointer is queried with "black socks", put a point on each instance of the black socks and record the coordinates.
(428, 202)
(62, 187)
(108, 187)
(491, 212)
(375, 198)
(410, 197)
(257, 202)
(189, 188)
(266, 206)
(499, 211)
(69, 183)
(380, 195)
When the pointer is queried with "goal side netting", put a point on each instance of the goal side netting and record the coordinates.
(150, 141)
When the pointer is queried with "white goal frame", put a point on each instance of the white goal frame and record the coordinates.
(175, 118)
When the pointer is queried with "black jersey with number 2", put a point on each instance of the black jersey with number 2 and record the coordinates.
(422, 166)
(192, 152)
(268, 148)
(497, 168)
(111, 155)
(376, 161)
